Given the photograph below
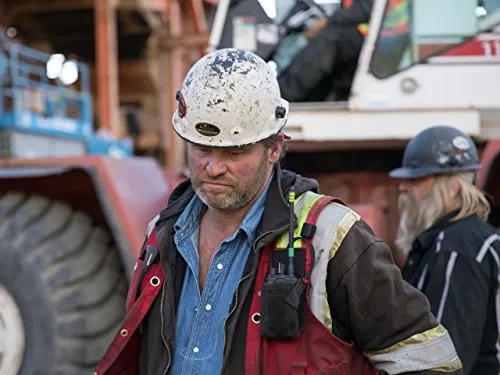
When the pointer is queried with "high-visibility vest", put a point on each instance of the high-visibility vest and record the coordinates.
(396, 19)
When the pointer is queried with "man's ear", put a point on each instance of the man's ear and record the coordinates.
(276, 149)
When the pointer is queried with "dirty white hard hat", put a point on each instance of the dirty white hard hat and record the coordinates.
(229, 98)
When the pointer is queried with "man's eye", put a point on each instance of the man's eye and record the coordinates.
(238, 151)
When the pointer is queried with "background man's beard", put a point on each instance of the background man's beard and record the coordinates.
(417, 216)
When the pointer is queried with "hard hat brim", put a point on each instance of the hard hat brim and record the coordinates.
(183, 129)
(408, 173)
(404, 173)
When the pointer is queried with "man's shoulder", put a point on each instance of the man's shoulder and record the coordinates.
(348, 234)
(472, 222)
(177, 201)
(476, 241)
(472, 234)
(335, 207)
(168, 212)
(351, 223)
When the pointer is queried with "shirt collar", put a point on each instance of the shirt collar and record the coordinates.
(254, 214)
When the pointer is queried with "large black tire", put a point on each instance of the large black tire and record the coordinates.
(66, 279)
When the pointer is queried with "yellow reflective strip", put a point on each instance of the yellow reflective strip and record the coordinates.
(343, 228)
(306, 206)
(419, 338)
(327, 315)
(341, 231)
(429, 350)
(450, 366)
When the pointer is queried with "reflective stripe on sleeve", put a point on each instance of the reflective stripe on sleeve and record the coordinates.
(429, 350)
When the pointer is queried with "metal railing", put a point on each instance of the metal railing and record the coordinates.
(29, 98)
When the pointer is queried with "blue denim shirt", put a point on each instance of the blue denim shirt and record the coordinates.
(199, 330)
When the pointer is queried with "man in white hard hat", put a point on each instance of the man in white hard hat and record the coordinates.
(249, 270)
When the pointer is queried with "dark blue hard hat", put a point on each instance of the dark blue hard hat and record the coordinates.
(438, 150)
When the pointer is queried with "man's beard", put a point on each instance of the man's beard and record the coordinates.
(242, 192)
(417, 216)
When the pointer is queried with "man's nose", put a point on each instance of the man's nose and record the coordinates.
(404, 187)
(216, 166)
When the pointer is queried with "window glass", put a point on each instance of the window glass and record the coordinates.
(411, 31)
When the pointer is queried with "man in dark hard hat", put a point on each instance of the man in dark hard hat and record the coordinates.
(453, 254)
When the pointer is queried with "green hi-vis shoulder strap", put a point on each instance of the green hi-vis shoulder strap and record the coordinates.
(303, 204)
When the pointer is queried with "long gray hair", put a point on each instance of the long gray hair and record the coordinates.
(417, 216)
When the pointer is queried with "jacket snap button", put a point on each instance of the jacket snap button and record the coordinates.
(124, 333)
(256, 318)
(155, 281)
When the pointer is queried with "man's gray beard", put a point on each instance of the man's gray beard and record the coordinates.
(417, 216)
(242, 195)
(238, 200)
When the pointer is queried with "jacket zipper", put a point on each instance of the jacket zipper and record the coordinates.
(162, 306)
(246, 277)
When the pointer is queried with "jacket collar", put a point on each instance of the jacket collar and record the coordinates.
(426, 239)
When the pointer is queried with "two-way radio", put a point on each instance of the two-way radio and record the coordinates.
(283, 296)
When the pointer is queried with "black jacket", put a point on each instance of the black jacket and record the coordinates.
(456, 265)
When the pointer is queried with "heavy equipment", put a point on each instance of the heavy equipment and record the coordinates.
(441, 71)
(73, 215)
(67, 218)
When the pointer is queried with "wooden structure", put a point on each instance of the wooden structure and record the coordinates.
(139, 49)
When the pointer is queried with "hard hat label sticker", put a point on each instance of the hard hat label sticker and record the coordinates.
(208, 130)
(461, 143)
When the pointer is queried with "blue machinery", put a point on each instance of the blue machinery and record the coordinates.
(42, 116)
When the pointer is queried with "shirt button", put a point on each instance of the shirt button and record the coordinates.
(220, 266)
(196, 349)
(208, 307)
